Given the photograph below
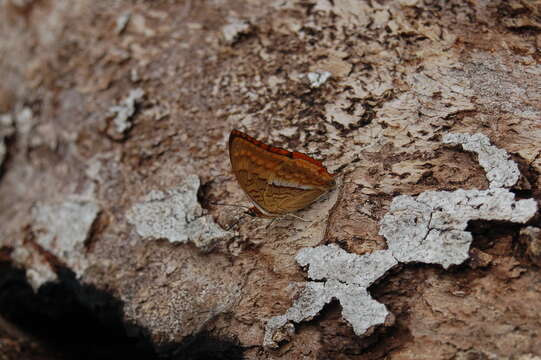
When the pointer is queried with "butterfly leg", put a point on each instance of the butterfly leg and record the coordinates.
(297, 217)
(234, 224)
(271, 222)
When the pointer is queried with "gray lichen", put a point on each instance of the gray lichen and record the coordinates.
(318, 78)
(125, 111)
(358, 308)
(428, 228)
(176, 215)
(331, 262)
(64, 229)
(38, 270)
(25, 121)
(500, 171)
(232, 31)
(61, 229)
(122, 22)
(347, 278)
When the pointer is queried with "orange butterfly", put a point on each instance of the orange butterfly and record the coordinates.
(277, 181)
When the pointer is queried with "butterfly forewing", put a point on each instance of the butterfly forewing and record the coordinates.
(248, 166)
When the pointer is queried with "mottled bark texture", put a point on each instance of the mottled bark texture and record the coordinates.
(112, 113)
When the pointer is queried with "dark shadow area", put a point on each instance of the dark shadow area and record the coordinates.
(203, 194)
(80, 321)
(487, 233)
(202, 346)
(9, 142)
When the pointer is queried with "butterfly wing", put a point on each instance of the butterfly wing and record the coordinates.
(250, 166)
(283, 200)
(276, 180)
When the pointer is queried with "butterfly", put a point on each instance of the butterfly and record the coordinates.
(277, 181)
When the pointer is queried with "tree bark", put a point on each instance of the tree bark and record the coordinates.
(114, 120)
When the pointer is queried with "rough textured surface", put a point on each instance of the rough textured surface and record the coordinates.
(6, 129)
(61, 230)
(199, 287)
(123, 112)
(176, 215)
(330, 262)
(531, 238)
(430, 228)
(347, 277)
(500, 171)
(358, 308)
(403, 75)
(232, 31)
(38, 270)
(318, 78)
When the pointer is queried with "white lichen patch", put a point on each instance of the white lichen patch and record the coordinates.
(500, 171)
(318, 78)
(61, 229)
(358, 308)
(408, 2)
(122, 113)
(176, 215)
(347, 278)
(331, 262)
(232, 31)
(38, 270)
(24, 121)
(428, 228)
(122, 22)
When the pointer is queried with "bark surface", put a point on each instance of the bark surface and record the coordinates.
(110, 112)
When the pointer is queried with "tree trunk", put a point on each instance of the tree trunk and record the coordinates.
(114, 122)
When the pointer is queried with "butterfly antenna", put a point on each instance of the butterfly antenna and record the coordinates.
(271, 222)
